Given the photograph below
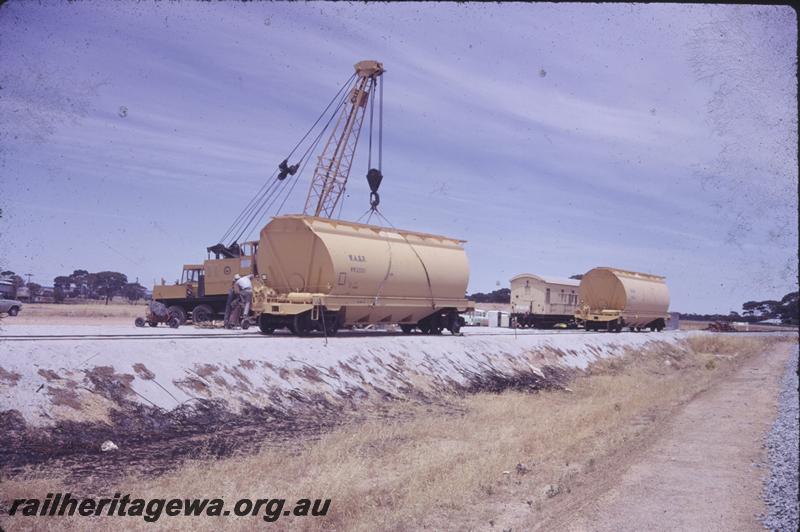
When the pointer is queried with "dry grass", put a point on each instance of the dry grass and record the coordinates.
(455, 467)
(77, 312)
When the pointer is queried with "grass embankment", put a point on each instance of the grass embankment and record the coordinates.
(478, 463)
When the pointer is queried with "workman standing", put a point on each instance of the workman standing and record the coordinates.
(245, 287)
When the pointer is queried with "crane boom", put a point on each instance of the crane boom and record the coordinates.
(333, 165)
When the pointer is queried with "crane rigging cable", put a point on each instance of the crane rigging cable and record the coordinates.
(347, 108)
(267, 202)
(374, 175)
(264, 192)
(345, 84)
(268, 184)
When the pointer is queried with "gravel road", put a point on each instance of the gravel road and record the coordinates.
(703, 472)
(783, 441)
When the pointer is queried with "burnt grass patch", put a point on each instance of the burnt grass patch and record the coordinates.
(153, 441)
(492, 380)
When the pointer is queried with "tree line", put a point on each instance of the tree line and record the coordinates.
(786, 310)
(81, 284)
(99, 285)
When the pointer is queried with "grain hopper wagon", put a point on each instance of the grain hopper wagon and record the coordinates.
(610, 299)
(320, 274)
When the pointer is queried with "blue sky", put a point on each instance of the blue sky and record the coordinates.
(552, 137)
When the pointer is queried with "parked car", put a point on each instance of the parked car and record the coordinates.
(10, 306)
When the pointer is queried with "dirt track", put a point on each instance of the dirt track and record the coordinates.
(701, 472)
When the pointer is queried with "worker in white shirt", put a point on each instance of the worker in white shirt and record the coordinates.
(245, 287)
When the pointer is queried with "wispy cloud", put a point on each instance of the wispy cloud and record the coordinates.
(553, 137)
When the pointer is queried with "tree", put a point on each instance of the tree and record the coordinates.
(788, 310)
(134, 291)
(108, 284)
(34, 289)
(80, 281)
(502, 295)
(61, 286)
(577, 276)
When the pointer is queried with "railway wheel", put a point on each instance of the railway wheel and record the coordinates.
(202, 314)
(406, 328)
(424, 326)
(331, 324)
(301, 324)
(455, 325)
(139, 322)
(178, 312)
(436, 324)
(264, 325)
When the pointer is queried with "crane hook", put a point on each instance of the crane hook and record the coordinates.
(374, 178)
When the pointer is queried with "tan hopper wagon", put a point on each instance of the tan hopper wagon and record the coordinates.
(320, 274)
(610, 299)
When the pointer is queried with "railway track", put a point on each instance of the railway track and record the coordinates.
(240, 335)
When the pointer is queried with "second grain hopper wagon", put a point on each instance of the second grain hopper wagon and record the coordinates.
(610, 299)
(321, 274)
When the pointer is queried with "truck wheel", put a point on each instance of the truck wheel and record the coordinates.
(406, 328)
(152, 323)
(13, 311)
(173, 322)
(202, 314)
(178, 312)
(139, 322)
(245, 324)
